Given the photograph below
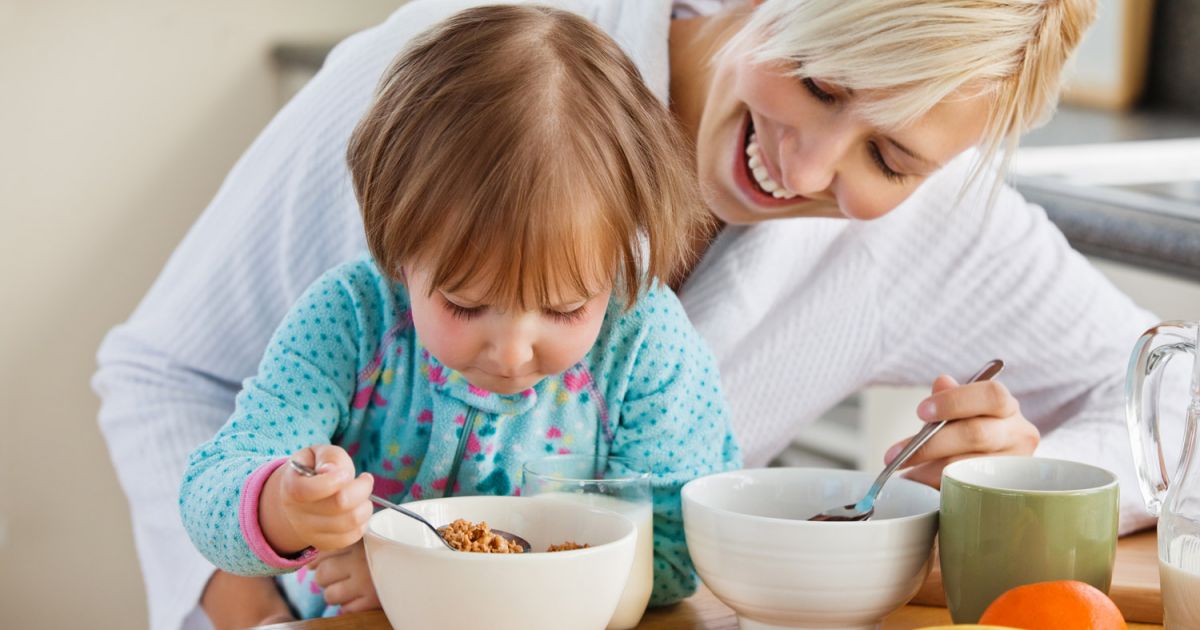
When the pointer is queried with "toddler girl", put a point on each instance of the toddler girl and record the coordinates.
(521, 191)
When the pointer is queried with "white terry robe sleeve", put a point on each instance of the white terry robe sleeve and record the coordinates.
(1008, 285)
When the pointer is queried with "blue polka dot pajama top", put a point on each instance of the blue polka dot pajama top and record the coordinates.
(346, 367)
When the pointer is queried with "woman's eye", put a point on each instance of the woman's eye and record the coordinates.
(462, 312)
(818, 93)
(877, 157)
(567, 317)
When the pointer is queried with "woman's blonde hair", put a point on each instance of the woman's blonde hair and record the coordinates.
(517, 147)
(912, 54)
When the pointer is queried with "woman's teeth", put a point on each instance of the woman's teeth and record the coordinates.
(760, 172)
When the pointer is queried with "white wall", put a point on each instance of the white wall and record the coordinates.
(118, 120)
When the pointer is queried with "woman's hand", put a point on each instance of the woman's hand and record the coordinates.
(986, 419)
(346, 579)
(233, 601)
(328, 511)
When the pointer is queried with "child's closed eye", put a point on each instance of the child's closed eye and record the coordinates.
(568, 317)
(463, 312)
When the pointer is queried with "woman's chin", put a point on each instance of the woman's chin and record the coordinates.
(730, 210)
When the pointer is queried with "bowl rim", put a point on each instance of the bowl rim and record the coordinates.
(688, 490)
(497, 557)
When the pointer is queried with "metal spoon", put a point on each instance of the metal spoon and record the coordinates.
(380, 501)
(863, 510)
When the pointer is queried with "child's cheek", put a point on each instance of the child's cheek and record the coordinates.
(446, 338)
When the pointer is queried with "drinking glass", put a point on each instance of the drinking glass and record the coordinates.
(613, 484)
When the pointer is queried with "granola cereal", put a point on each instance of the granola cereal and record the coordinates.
(464, 535)
(570, 545)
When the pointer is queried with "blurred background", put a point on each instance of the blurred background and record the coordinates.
(119, 119)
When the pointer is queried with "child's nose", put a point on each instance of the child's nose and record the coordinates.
(511, 346)
(511, 353)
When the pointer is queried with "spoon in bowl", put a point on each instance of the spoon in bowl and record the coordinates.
(307, 471)
(865, 508)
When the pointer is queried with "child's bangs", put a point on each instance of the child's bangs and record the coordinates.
(535, 237)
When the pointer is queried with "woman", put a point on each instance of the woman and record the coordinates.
(900, 260)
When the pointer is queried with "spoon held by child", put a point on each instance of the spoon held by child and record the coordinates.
(307, 471)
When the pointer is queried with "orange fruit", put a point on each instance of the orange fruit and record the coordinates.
(1061, 605)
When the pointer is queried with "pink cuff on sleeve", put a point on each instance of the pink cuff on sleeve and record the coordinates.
(252, 531)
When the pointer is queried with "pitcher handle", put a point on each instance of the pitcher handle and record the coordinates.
(1146, 367)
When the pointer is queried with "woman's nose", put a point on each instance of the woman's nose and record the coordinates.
(809, 157)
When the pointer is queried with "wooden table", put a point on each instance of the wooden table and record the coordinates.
(1134, 589)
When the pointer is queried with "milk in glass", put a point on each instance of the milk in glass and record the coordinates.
(641, 575)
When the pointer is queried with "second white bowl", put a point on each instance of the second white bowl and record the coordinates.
(749, 537)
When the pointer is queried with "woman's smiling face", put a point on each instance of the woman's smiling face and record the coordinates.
(772, 145)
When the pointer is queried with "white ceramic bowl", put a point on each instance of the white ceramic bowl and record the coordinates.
(753, 546)
(422, 584)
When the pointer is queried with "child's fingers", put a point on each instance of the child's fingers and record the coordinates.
(330, 573)
(369, 601)
(338, 530)
(345, 499)
(334, 471)
(333, 458)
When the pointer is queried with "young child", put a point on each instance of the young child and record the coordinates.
(521, 191)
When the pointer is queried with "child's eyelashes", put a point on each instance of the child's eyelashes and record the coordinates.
(568, 317)
(462, 312)
(467, 313)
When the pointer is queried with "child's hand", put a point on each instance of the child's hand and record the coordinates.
(987, 420)
(346, 578)
(327, 512)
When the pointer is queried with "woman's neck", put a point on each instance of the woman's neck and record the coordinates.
(690, 72)
(692, 44)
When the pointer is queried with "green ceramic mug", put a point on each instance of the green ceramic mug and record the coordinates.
(1008, 521)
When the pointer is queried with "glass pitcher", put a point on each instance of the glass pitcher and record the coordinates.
(1171, 493)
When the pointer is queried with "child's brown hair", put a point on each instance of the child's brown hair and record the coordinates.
(520, 142)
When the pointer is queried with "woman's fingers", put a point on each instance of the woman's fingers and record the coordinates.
(978, 436)
(930, 473)
(985, 398)
(984, 419)
(972, 435)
